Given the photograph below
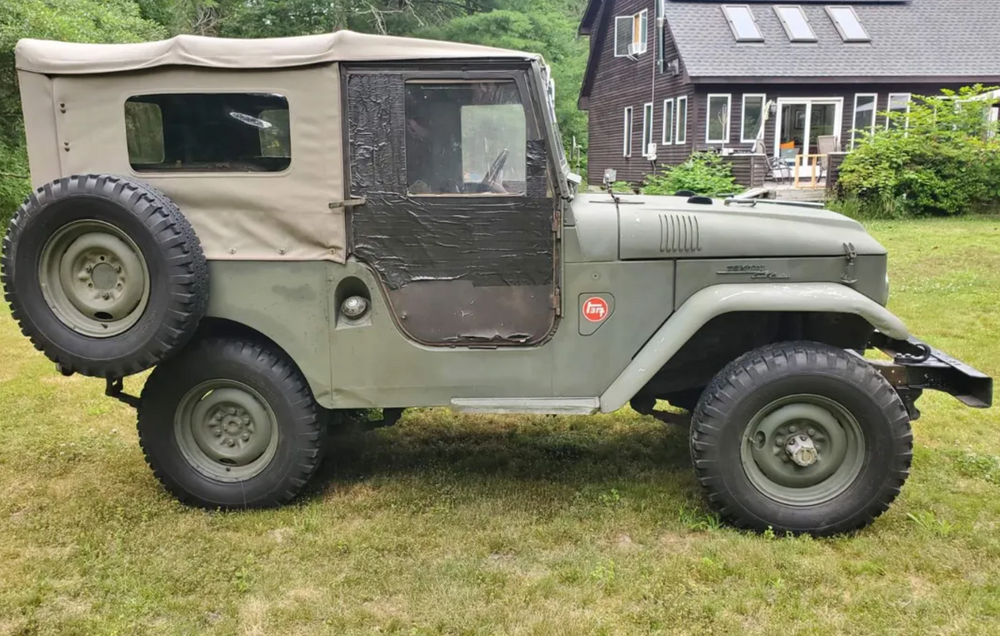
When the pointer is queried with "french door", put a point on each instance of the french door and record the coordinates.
(802, 121)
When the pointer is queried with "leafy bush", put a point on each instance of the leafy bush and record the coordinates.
(941, 159)
(14, 185)
(703, 173)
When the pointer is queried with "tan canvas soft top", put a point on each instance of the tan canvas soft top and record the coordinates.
(65, 58)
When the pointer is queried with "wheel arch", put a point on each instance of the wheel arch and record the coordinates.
(767, 299)
(216, 327)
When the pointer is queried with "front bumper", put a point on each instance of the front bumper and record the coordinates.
(916, 366)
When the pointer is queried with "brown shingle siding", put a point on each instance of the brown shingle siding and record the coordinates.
(621, 82)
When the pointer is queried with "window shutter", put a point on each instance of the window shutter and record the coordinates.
(623, 35)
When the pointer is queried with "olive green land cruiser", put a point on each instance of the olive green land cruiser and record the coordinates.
(289, 230)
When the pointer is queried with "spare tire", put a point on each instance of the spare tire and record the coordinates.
(104, 275)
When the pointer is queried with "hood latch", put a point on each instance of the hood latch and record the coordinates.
(852, 255)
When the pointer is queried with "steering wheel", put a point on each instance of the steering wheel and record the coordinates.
(492, 177)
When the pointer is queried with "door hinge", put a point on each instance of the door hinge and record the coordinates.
(555, 300)
(348, 203)
(852, 255)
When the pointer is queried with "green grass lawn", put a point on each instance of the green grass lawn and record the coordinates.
(450, 524)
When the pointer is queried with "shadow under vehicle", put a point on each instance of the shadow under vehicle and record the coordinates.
(291, 230)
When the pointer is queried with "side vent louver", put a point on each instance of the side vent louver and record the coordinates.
(679, 233)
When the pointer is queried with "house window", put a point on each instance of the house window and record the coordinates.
(208, 132)
(848, 25)
(647, 128)
(627, 149)
(753, 117)
(682, 121)
(668, 122)
(865, 106)
(631, 34)
(718, 119)
(795, 22)
(898, 103)
(742, 22)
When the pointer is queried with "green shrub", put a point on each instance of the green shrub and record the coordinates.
(941, 159)
(13, 184)
(703, 173)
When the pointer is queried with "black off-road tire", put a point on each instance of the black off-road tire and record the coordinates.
(177, 290)
(266, 372)
(760, 378)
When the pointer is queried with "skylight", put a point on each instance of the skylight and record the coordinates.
(742, 22)
(848, 25)
(795, 23)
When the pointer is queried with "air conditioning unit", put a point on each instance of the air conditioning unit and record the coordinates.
(635, 49)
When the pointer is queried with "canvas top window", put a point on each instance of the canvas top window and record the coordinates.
(848, 24)
(465, 138)
(795, 22)
(208, 132)
(742, 22)
(631, 34)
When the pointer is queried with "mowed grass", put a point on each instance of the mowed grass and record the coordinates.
(504, 525)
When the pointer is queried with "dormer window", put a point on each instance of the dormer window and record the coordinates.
(795, 22)
(631, 34)
(848, 25)
(742, 22)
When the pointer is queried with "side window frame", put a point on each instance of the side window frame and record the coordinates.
(141, 174)
(410, 72)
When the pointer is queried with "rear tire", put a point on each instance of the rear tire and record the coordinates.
(104, 275)
(801, 438)
(230, 423)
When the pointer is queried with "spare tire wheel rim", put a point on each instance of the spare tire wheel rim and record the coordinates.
(803, 450)
(226, 430)
(94, 278)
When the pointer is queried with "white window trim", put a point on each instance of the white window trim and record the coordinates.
(788, 29)
(840, 30)
(888, 108)
(732, 25)
(644, 36)
(627, 133)
(854, 117)
(680, 140)
(729, 117)
(743, 114)
(617, 18)
(669, 128)
(652, 127)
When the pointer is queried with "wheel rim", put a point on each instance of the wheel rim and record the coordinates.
(226, 430)
(94, 278)
(803, 450)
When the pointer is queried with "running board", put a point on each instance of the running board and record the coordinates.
(534, 406)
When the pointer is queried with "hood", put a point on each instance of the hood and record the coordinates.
(652, 227)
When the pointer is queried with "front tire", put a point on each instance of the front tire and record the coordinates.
(802, 438)
(230, 423)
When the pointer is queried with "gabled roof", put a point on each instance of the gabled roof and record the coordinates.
(923, 39)
(65, 58)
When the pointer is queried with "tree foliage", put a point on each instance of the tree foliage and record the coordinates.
(943, 158)
(703, 173)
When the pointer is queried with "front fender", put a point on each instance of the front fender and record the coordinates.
(724, 299)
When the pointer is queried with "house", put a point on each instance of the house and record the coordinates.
(785, 80)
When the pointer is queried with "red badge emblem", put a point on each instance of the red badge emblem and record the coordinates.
(595, 309)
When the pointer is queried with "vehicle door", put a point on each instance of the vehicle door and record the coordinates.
(458, 214)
